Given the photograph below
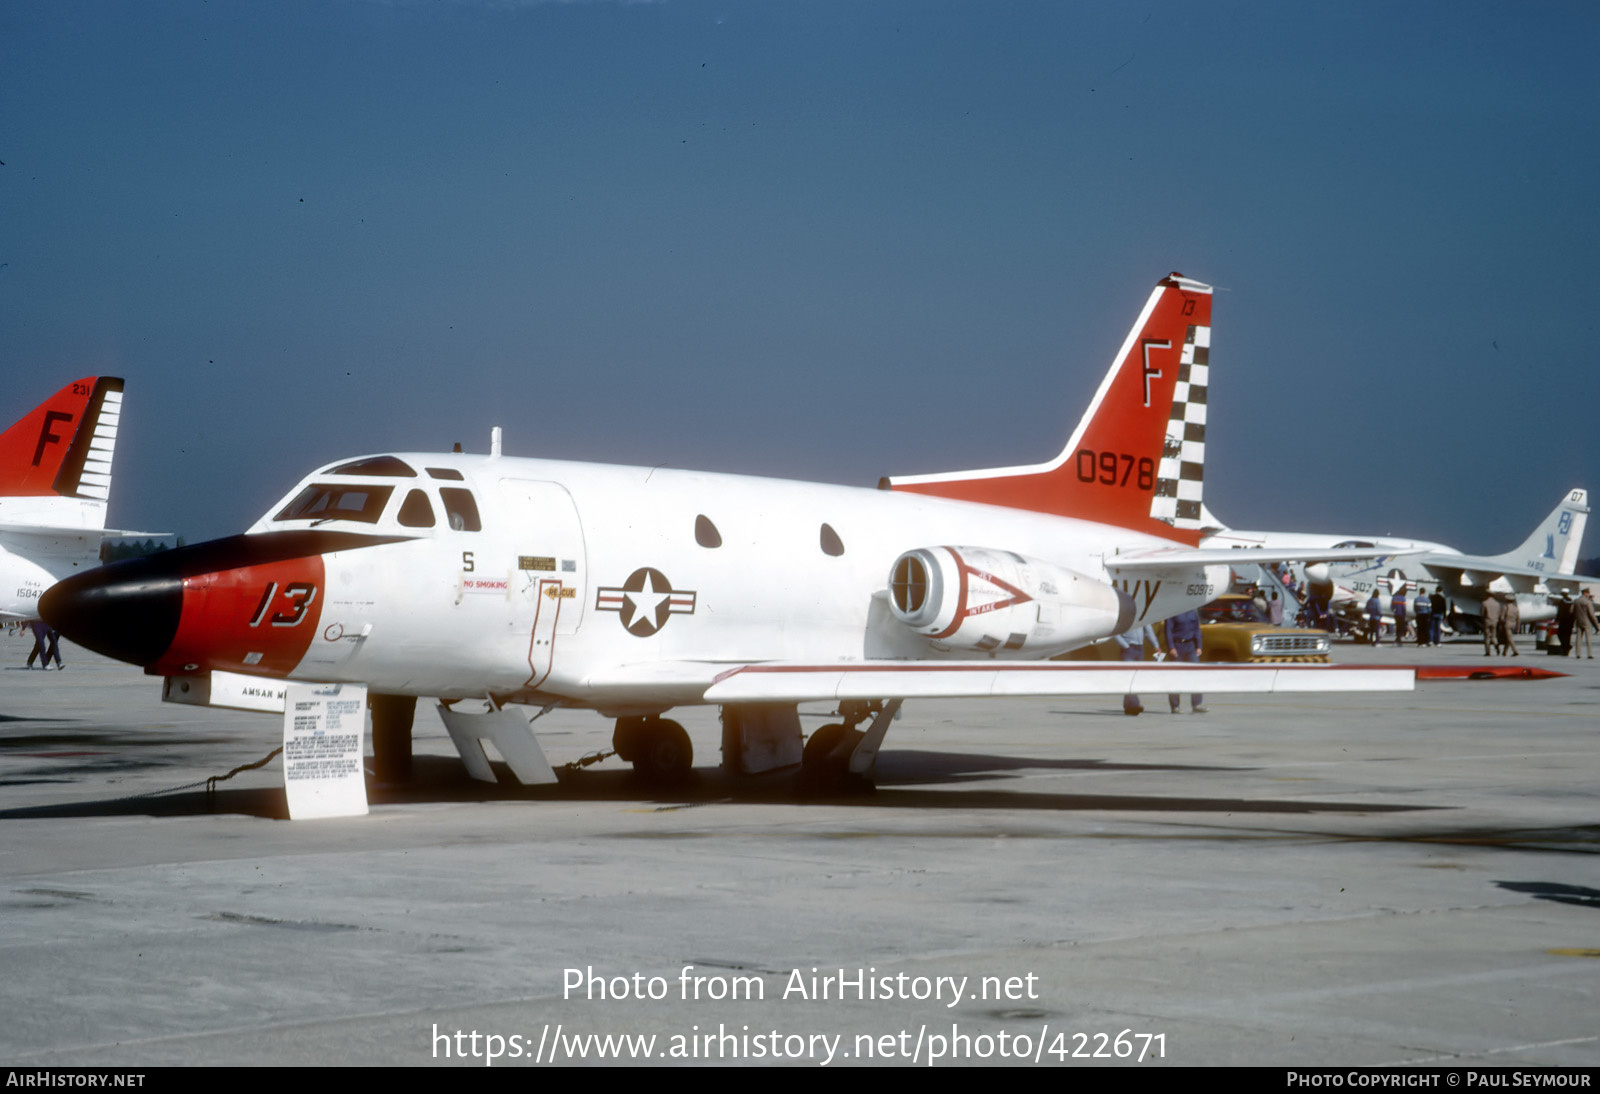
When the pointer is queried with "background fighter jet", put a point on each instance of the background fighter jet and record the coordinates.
(1544, 564)
(632, 590)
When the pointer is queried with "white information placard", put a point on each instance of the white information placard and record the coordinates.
(324, 740)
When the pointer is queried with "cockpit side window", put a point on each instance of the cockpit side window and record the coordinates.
(460, 509)
(416, 511)
(338, 501)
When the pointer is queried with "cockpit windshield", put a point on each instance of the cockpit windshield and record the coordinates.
(375, 465)
(342, 501)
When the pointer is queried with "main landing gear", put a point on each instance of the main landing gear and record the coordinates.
(840, 757)
(658, 748)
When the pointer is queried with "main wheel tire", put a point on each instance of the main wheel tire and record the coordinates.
(825, 762)
(662, 752)
(817, 758)
(625, 738)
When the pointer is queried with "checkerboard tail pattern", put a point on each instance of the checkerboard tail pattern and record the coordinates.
(1179, 477)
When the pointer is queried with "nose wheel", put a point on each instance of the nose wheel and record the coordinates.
(392, 716)
(658, 748)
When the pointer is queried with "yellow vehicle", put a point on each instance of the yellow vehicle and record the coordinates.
(1234, 628)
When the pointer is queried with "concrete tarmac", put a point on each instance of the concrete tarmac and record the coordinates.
(1308, 880)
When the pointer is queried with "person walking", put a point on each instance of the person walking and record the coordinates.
(1183, 644)
(1491, 624)
(47, 642)
(1132, 644)
(39, 632)
(1510, 620)
(1583, 624)
(1424, 615)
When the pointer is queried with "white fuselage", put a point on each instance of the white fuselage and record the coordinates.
(726, 569)
(40, 543)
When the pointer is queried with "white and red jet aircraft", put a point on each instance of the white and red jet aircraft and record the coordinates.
(632, 590)
(55, 480)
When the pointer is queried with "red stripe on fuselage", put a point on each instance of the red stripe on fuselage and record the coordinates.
(225, 624)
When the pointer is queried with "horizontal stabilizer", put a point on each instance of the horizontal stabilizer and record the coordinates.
(68, 530)
(1173, 558)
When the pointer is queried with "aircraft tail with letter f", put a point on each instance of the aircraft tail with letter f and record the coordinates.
(55, 481)
(1136, 459)
(55, 464)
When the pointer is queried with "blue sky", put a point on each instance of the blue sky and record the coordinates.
(810, 239)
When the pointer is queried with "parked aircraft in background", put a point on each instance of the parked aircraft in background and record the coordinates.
(632, 590)
(55, 480)
(1544, 564)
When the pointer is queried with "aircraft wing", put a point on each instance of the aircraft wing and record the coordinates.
(1457, 570)
(776, 682)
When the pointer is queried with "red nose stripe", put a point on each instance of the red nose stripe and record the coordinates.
(255, 619)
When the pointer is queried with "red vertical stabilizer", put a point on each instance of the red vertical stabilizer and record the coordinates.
(1137, 457)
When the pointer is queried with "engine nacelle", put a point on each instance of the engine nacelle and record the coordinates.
(988, 601)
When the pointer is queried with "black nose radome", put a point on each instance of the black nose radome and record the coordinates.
(128, 610)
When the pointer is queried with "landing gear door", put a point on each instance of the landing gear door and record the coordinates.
(551, 578)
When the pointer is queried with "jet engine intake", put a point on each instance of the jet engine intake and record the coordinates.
(991, 601)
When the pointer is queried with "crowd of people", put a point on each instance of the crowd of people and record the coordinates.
(1421, 616)
(1417, 614)
(1427, 610)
